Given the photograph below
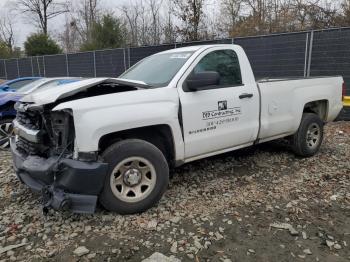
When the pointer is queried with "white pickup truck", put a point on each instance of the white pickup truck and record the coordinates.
(114, 140)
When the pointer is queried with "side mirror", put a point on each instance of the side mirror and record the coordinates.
(200, 81)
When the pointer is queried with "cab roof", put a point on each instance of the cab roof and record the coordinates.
(193, 48)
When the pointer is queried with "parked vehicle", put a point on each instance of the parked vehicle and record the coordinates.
(15, 84)
(8, 99)
(115, 139)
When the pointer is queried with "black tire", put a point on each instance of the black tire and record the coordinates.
(6, 127)
(302, 142)
(119, 152)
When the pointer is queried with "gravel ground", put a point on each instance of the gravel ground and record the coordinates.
(256, 204)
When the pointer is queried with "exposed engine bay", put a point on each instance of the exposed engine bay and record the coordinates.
(99, 90)
(54, 131)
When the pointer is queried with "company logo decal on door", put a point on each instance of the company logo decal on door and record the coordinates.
(222, 111)
(215, 118)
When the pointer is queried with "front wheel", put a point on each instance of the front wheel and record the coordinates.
(308, 139)
(138, 176)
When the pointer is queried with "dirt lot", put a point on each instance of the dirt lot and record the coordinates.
(256, 204)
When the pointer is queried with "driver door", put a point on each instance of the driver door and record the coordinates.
(221, 116)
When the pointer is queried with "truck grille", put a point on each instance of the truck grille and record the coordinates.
(28, 120)
(32, 121)
(26, 147)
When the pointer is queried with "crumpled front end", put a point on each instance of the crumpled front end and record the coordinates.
(43, 150)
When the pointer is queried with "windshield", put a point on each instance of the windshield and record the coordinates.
(157, 70)
(32, 85)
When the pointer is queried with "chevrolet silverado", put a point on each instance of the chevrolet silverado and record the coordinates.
(113, 140)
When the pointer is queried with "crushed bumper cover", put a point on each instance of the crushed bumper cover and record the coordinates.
(64, 183)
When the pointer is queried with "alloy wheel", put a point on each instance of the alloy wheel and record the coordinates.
(6, 131)
(313, 135)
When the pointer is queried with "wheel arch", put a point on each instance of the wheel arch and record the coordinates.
(160, 136)
(318, 107)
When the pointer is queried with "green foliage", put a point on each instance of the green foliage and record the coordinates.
(5, 52)
(41, 44)
(109, 32)
(16, 52)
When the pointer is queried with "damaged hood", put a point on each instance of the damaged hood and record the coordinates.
(51, 95)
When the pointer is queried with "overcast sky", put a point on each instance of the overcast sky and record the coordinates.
(23, 27)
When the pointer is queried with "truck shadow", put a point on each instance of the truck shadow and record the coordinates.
(240, 159)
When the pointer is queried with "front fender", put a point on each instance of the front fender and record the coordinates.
(124, 111)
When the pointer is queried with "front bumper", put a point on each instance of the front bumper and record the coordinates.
(65, 183)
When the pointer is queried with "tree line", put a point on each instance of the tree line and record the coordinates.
(88, 25)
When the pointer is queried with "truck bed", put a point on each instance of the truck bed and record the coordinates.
(268, 79)
(282, 102)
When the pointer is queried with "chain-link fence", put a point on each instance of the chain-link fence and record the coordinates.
(310, 53)
(323, 52)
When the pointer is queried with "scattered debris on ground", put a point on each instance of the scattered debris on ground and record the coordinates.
(255, 204)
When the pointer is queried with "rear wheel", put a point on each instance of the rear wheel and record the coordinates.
(6, 131)
(308, 139)
(137, 178)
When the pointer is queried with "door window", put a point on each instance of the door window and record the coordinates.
(225, 63)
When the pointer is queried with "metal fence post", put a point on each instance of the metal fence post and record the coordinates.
(5, 69)
(129, 55)
(310, 53)
(124, 59)
(306, 53)
(37, 62)
(94, 53)
(44, 65)
(31, 64)
(67, 66)
(17, 68)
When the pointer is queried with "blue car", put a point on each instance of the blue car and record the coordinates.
(15, 84)
(8, 100)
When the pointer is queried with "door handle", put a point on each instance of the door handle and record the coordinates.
(245, 95)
